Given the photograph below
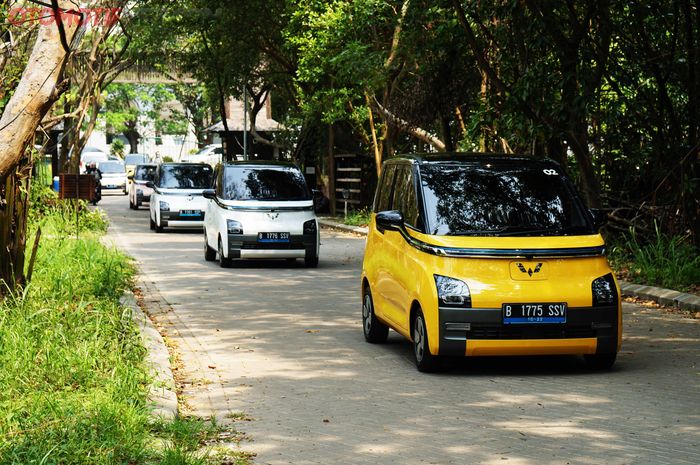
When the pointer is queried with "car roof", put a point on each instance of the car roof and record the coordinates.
(261, 164)
(460, 158)
(181, 163)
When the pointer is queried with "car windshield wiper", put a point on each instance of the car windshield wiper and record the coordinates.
(527, 230)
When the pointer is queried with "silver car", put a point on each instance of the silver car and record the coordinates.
(139, 191)
(260, 210)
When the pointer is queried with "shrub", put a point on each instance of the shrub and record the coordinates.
(665, 261)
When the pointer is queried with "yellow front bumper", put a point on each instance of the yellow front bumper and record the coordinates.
(531, 347)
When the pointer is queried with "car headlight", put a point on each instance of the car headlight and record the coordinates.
(234, 227)
(164, 206)
(452, 292)
(139, 192)
(604, 291)
(310, 227)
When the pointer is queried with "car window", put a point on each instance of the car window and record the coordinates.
(405, 199)
(145, 173)
(384, 192)
(265, 184)
(111, 167)
(135, 159)
(500, 199)
(185, 177)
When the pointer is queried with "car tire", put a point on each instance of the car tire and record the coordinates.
(425, 361)
(599, 362)
(223, 261)
(131, 204)
(311, 261)
(374, 330)
(153, 224)
(159, 228)
(209, 253)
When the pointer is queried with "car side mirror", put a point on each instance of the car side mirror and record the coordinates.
(391, 220)
(600, 218)
(209, 194)
(150, 185)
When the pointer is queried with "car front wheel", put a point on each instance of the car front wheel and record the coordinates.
(209, 253)
(375, 331)
(425, 361)
(223, 261)
(153, 224)
(600, 362)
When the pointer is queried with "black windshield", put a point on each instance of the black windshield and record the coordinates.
(500, 201)
(266, 183)
(145, 173)
(185, 177)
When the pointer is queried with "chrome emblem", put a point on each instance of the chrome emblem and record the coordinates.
(529, 271)
(273, 216)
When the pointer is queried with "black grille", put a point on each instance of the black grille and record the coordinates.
(530, 332)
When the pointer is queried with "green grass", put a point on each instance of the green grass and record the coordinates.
(665, 261)
(360, 217)
(72, 367)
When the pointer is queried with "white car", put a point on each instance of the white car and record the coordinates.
(177, 200)
(139, 192)
(211, 154)
(260, 210)
(113, 175)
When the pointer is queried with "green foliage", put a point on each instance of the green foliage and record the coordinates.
(117, 148)
(58, 218)
(666, 261)
(360, 217)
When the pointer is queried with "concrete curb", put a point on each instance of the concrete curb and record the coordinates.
(666, 297)
(330, 223)
(162, 391)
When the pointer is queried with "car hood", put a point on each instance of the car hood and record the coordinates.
(176, 192)
(260, 205)
(515, 245)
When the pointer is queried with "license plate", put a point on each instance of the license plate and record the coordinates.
(190, 213)
(273, 237)
(515, 314)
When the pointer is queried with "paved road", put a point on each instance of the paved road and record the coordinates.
(284, 346)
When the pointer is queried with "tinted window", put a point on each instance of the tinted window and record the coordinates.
(145, 173)
(500, 200)
(269, 184)
(111, 167)
(185, 177)
(384, 192)
(405, 196)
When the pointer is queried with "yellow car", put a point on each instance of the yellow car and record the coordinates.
(478, 255)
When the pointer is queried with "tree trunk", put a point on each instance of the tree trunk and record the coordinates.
(133, 136)
(34, 95)
(36, 92)
(14, 203)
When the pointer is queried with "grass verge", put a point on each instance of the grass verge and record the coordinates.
(360, 217)
(72, 367)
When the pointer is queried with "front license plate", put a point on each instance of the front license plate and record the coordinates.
(273, 237)
(190, 213)
(515, 314)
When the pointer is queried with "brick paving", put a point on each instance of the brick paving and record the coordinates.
(284, 346)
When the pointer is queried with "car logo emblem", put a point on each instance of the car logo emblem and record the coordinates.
(530, 271)
(273, 216)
